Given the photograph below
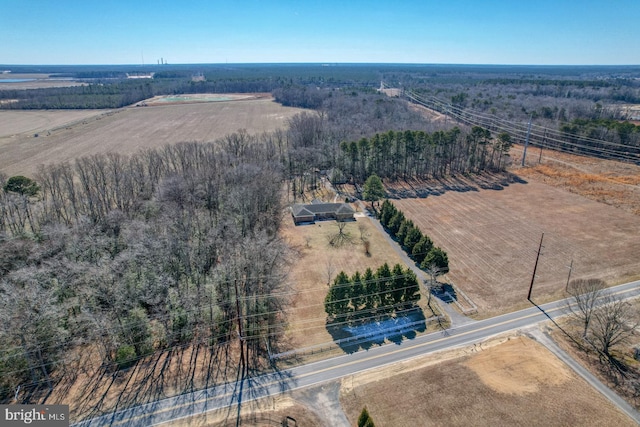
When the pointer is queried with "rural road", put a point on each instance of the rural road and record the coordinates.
(227, 395)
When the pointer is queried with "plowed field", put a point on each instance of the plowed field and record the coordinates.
(492, 238)
(127, 130)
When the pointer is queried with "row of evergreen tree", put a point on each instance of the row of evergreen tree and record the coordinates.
(417, 245)
(371, 294)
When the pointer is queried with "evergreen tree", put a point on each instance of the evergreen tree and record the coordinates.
(412, 237)
(384, 285)
(436, 258)
(372, 296)
(405, 226)
(365, 420)
(395, 222)
(411, 288)
(336, 302)
(373, 189)
(421, 249)
(397, 284)
(356, 294)
(387, 211)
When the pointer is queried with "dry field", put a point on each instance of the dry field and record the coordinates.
(16, 122)
(503, 382)
(41, 81)
(606, 181)
(128, 130)
(315, 260)
(492, 236)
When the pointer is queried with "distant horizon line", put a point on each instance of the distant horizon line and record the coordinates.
(321, 63)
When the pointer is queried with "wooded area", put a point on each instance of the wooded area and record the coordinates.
(133, 255)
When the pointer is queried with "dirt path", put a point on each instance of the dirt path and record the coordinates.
(324, 401)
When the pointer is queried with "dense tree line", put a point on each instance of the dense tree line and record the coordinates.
(136, 254)
(559, 105)
(371, 294)
(623, 132)
(418, 154)
(417, 245)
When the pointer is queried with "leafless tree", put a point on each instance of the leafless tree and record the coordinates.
(585, 294)
(341, 236)
(330, 269)
(613, 323)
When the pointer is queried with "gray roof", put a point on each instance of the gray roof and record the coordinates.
(321, 208)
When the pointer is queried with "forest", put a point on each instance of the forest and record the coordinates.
(127, 256)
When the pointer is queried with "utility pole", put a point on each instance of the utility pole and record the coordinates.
(535, 267)
(566, 289)
(526, 141)
(544, 139)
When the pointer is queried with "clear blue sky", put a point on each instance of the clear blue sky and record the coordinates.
(253, 31)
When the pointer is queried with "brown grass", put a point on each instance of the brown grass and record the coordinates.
(128, 130)
(605, 181)
(507, 382)
(309, 274)
(316, 261)
(492, 237)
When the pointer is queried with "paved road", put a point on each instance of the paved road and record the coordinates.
(331, 369)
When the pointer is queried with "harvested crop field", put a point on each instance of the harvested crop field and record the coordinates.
(128, 130)
(16, 122)
(503, 382)
(492, 237)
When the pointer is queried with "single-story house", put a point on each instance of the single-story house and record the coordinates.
(318, 211)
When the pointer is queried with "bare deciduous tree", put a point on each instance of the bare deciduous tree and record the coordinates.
(585, 294)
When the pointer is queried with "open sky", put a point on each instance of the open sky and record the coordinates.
(564, 32)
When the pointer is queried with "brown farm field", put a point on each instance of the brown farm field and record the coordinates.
(127, 130)
(492, 237)
(506, 381)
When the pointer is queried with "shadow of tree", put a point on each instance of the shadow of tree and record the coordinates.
(366, 334)
(445, 292)
(458, 183)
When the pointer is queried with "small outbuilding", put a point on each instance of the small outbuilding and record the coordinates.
(318, 211)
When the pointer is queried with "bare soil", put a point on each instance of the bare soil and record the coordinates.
(507, 381)
(491, 231)
(128, 130)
